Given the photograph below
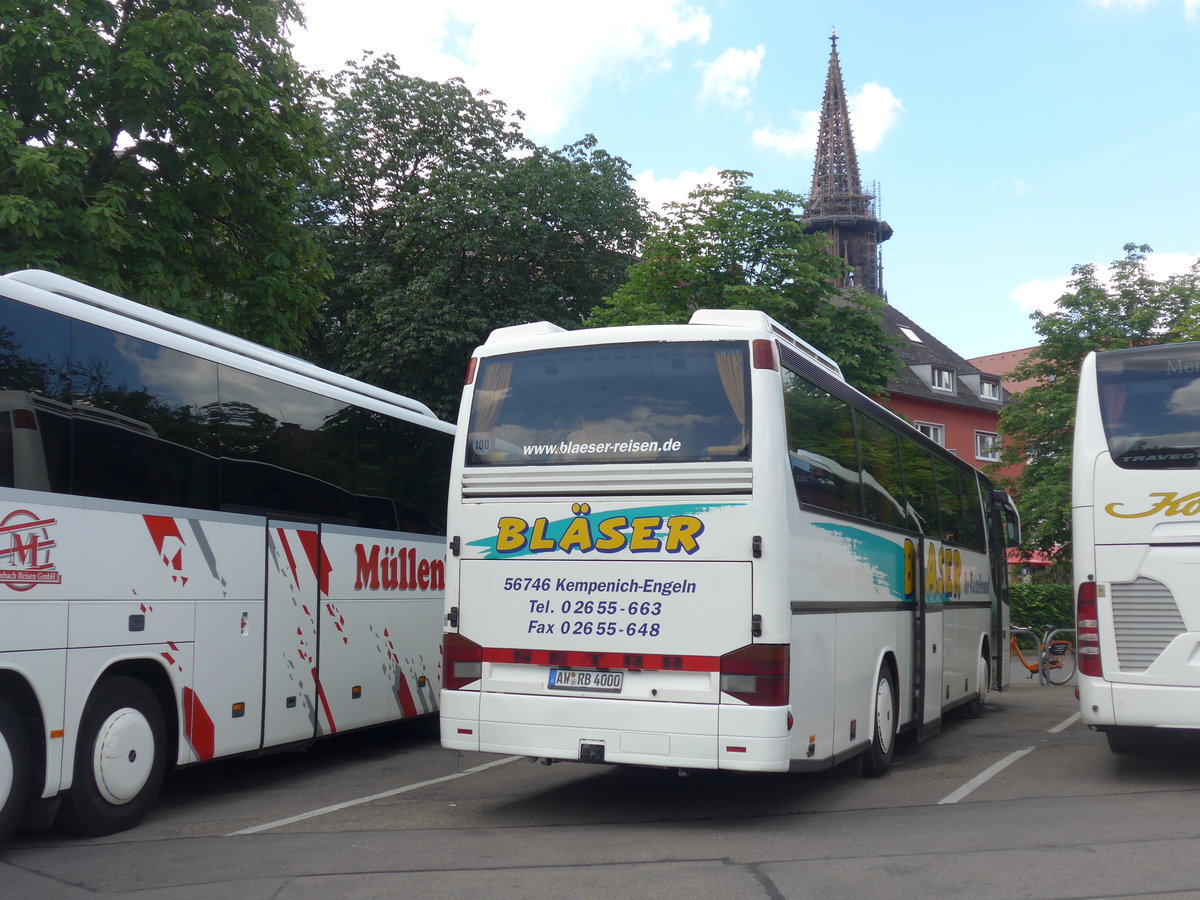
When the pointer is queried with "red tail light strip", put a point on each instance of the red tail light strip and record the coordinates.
(582, 659)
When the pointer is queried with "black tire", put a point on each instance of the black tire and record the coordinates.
(1124, 741)
(1064, 671)
(15, 769)
(119, 760)
(878, 758)
(983, 676)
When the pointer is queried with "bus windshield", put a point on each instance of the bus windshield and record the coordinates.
(619, 403)
(1150, 404)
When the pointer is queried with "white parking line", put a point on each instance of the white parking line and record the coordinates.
(1066, 723)
(312, 814)
(984, 776)
(996, 768)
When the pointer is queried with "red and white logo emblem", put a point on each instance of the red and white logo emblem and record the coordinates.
(25, 545)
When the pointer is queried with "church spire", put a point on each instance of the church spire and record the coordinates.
(837, 204)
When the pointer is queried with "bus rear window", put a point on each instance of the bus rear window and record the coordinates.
(621, 403)
(1150, 404)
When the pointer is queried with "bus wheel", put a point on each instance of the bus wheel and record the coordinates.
(878, 758)
(15, 771)
(119, 760)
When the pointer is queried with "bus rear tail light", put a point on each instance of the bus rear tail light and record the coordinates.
(757, 674)
(462, 661)
(471, 370)
(763, 353)
(24, 418)
(1087, 631)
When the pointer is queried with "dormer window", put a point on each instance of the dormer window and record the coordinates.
(989, 390)
(942, 379)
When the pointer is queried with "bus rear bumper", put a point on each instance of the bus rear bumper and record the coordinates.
(644, 733)
(1138, 705)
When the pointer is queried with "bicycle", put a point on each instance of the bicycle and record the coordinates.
(1055, 662)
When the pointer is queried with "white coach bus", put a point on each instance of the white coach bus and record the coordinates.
(207, 548)
(1136, 534)
(695, 546)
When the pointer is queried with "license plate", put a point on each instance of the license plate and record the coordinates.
(585, 680)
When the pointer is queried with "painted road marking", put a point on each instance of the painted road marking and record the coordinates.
(312, 814)
(996, 768)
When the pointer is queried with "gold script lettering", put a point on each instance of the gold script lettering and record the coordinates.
(1168, 503)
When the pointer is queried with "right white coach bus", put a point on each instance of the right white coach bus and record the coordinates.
(696, 546)
(1136, 532)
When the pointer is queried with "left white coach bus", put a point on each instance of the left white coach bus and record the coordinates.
(207, 548)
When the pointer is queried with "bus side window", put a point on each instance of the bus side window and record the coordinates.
(822, 447)
(920, 494)
(883, 492)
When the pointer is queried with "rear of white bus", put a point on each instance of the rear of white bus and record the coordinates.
(607, 596)
(1136, 524)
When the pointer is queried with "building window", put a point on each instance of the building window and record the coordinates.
(936, 433)
(987, 446)
(989, 390)
(910, 334)
(943, 379)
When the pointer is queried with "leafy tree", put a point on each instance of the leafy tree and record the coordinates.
(445, 221)
(155, 148)
(729, 246)
(1126, 309)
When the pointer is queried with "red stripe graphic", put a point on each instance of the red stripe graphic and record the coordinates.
(198, 726)
(404, 695)
(287, 551)
(316, 558)
(324, 701)
(650, 662)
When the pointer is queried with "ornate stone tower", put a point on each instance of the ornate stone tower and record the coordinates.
(838, 206)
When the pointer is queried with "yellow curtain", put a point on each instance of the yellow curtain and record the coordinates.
(731, 368)
(490, 394)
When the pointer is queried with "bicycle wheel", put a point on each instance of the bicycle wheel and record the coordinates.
(1058, 662)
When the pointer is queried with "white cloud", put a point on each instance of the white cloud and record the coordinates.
(1191, 8)
(539, 56)
(660, 191)
(791, 141)
(728, 79)
(874, 111)
(1042, 294)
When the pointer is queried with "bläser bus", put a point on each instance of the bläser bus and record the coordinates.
(1136, 534)
(695, 546)
(207, 548)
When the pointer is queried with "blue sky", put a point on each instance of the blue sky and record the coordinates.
(1009, 140)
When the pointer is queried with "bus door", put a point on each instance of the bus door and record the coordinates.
(292, 691)
(930, 651)
(1002, 526)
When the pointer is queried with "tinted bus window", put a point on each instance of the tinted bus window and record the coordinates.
(285, 451)
(401, 474)
(883, 486)
(919, 490)
(1150, 404)
(140, 430)
(972, 513)
(822, 447)
(949, 501)
(680, 402)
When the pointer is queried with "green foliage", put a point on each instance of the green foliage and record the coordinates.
(444, 222)
(155, 148)
(1127, 310)
(729, 246)
(1036, 605)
